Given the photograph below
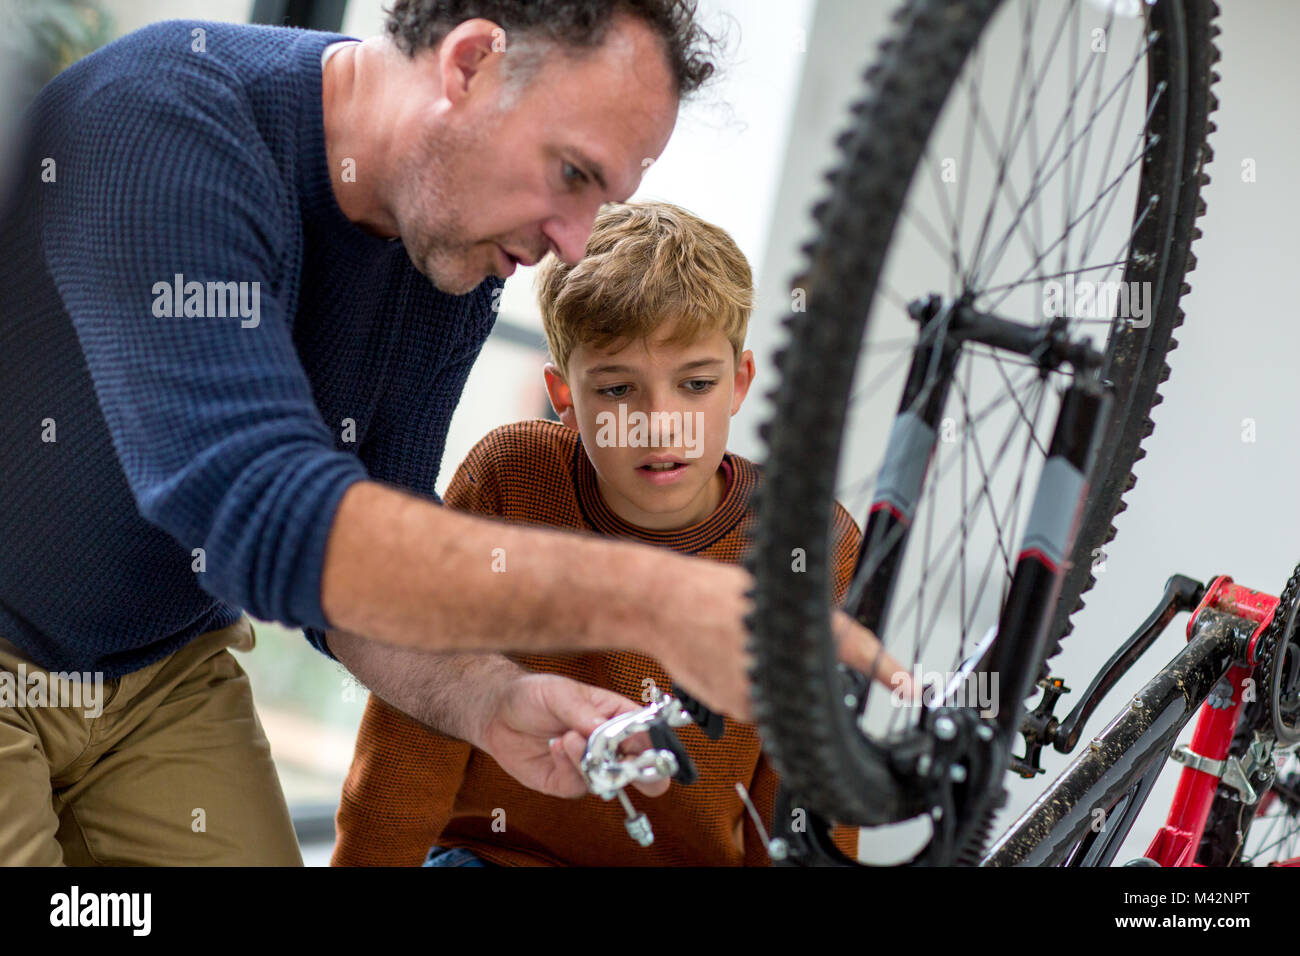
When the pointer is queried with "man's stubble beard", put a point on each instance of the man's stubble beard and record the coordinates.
(436, 237)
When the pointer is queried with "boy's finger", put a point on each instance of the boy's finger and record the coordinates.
(892, 675)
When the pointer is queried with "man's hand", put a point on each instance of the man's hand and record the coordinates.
(534, 725)
(537, 730)
(411, 574)
(703, 649)
(862, 650)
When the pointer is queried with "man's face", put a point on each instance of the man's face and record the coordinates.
(489, 175)
(692, 390)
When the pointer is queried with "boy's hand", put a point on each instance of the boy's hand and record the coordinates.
(537, 730)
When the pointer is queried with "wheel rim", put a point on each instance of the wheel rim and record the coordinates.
(1067, 160)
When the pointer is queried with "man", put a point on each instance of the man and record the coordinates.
(240, 296)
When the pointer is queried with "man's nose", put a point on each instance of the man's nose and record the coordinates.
(568, 234)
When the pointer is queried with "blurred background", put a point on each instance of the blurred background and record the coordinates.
(748, 155)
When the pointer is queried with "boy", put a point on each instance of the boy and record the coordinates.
(646, 335)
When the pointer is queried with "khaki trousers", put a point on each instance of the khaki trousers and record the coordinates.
(175, 771)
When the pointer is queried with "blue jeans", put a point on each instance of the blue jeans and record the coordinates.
(457, 856)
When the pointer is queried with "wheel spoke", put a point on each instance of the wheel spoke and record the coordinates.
(1040, 180)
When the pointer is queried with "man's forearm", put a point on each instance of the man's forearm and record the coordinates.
(453, 694)
(408, 572)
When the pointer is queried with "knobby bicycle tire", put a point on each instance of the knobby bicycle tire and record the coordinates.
(811, 736)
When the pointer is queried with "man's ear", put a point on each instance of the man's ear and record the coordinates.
(561, 395)
(469, 52)
(744, 378)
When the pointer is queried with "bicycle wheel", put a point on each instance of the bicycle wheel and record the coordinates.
(1005, 155)
(1273, 837)
(1266, 833)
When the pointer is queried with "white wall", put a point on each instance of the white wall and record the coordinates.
(130, 15)
(1206, 501)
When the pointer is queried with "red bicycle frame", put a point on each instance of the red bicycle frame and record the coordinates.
(1176, 843)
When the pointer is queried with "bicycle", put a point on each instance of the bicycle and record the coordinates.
(1231, 778)
(974, 305)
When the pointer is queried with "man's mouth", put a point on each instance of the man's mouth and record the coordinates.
(510, 263)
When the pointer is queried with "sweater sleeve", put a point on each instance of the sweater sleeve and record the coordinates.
(475, 487)
(400, 790)
(846, 539)
(406, 449)
(211, 415)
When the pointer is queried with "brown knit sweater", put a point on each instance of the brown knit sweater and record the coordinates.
(410, 787)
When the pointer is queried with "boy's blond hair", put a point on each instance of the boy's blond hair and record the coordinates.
(646, 263)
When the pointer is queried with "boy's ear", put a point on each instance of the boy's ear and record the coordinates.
(561, 395)
(744, 378)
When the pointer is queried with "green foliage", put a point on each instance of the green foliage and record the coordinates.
(52, 34)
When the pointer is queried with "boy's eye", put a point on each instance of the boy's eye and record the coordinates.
(705, 383)
(609, 391)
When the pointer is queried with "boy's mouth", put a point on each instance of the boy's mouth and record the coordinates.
(662, 471)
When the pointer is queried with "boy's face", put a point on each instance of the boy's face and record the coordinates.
(677, 402)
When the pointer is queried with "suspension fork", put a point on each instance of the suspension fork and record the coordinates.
(902, 475)
(1049, 535)
(1024, 627)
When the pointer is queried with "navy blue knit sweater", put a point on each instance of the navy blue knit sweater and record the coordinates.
(133, 432)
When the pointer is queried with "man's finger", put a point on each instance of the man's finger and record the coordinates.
(862, 650)
(583, 708)
(569, 782)
(635, 744)
(656, 789)
(574, 746)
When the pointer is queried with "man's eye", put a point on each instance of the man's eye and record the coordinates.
(608, 392)
(573, 175)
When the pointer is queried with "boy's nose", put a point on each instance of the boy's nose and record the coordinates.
(671, 421)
